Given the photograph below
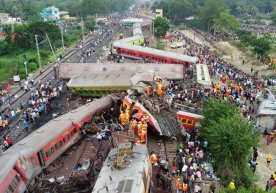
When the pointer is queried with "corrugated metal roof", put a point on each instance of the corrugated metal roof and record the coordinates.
(267, 107)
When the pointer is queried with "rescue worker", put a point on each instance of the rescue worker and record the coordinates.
(218, 88)
(133, 126)
(143, 133)
(159, 89)
(143, 119)
(139, 128)
(149, 90)
(177, 185)
(232, 186)
(122, 117)
(153, 159)
(127, 115)
(184, 187)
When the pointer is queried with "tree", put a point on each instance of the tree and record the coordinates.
(210, 12)
(262, 45)
(230, 140)
(161, 26)
(273, 16)
(179, 10)
(90, 22)
(226, 22)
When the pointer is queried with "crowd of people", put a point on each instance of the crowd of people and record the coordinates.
(259, 29)
(187, 167)
(89, 50)
(230, 83)
(38, 104)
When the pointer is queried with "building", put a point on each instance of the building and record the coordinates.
(50, 14)
(130, 21)
(158, 12)
(4, 18)
(266, 114)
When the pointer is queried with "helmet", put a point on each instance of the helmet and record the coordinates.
(178, 179)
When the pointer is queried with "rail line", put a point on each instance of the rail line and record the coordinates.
(14, 132)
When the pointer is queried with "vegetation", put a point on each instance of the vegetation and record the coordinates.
(258, 45)
(226, 22)
(160, 45)
(273, 16)
(13, 53)
(161, 26)
(230, 151)
(29, 8)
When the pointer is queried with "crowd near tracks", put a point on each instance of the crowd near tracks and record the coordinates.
(16, 129)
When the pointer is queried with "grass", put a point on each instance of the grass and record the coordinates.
(160, 45)
(12, 64)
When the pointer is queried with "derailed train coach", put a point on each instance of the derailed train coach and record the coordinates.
(27, 158)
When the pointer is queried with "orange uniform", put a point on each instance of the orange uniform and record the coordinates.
(127, 116)
(122, 117)
(184, 187)
(177, 185)
(139, 127)
(159, 89)
(133, 126)
(153, 159)
(149, 90)
(143, 133)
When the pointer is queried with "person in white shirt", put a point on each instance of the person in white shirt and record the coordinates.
(197, 188)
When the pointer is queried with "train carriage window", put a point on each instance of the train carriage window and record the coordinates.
(17, 178)
(58, 145)
(15, 182)
(183, 120)
(11, 188)
(50, 152)
(190, 122)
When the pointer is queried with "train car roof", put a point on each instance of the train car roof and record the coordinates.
(130, 39)
(171, 71)
(116, 180)
(104, 79)
(162, 53)
(8, 160)
(203, 76)
(51, 130)
(190, 114)
(135, 20)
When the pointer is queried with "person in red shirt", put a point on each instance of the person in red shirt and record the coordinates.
(9, 141)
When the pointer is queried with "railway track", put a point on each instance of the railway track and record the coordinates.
(15, 130)
(87, 153)
(168, 148)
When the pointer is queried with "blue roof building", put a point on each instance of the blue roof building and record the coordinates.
(50, 14)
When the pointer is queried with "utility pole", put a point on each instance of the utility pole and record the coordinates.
(51, 45)
(153, 28)
(37, 49)
(62, 39)
(82, 28)
(25, 63)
